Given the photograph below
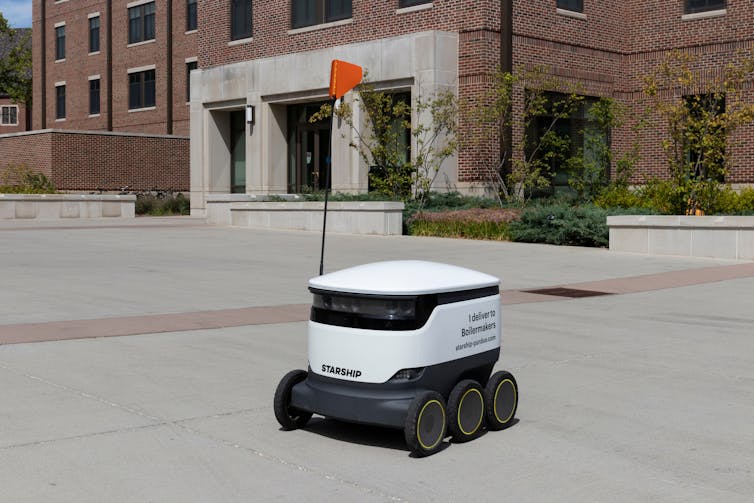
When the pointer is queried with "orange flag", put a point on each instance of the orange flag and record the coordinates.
(343, 77)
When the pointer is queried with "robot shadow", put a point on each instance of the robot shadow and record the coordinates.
(372, 436)
(361, 434)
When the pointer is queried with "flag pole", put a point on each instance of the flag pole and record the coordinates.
(328, 169)
(343, 77)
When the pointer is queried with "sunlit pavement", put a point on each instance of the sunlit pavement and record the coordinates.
(139, 359)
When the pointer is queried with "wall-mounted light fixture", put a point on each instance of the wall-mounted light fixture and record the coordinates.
(250, 114)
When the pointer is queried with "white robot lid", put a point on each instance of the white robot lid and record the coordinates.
(403, 277)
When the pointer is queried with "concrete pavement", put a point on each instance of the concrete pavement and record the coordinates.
(643, 395)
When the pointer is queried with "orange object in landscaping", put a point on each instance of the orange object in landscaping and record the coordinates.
(344, 76)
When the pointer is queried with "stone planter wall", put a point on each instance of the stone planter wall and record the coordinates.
(727, 237)
(352, 217)
(59, 206)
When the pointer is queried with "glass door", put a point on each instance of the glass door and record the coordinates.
(238, 152)
(312, 150)
(308, 149)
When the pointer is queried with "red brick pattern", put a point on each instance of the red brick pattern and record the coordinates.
(79, 65)
(606, 51)
(79, 161)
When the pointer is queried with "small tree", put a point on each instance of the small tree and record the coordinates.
(701, 114)
(383, 141)
(590, 170)
(15, 65)
(538, 148)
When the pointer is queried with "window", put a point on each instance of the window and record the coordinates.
(411, 3)
(190, 15)
(9, 115)
(141, 89)
(704, 136)
(94, 34)
(694, 6)
(94, 97)
(567, 129)
(311, 12)
(59, 42)
(572, 5)
(191, 65)
(60, 102)
(141, 23)
(240, 19)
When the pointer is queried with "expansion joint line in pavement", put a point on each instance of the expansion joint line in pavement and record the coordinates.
(202, 320)
(182, 424)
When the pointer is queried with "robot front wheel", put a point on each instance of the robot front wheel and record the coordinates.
(426, 423)
(289, 417)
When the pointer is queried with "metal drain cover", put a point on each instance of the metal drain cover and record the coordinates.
(571, 293)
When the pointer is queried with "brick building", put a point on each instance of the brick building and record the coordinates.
(265, 66)
(13, 116)
(113, 65)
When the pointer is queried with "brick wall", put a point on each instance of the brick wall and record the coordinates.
(80, 64)
(606, 50)
(88, 161)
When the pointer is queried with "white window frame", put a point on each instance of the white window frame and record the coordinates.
(9, 124)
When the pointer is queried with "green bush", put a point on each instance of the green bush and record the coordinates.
(560, 224)
(746, 201)
(154, 205)
(618, 196)
(19, 179)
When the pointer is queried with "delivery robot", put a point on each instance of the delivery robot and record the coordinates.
(404, 344)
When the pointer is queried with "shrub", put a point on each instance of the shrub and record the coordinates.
(746, 201)
(154, 205)
(559, 224)
(618, 196)
(20, 179)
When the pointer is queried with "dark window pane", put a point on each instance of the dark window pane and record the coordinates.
(189, 66)
(134, 25)
(60, 42)
(94, 34)
(572, 5)
(240, 19)
(149, 88)
(134, 91)
(94, 97)
(303, 13)
(190, 15)
(149, 21)
(141, 23)
(60, 102)
(693, 6)
(337, 9)
(409, 3)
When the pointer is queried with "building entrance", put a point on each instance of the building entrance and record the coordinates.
(309, 147)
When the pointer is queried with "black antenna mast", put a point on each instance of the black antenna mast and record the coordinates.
(328, 169)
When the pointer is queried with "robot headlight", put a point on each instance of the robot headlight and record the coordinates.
(391, 308)
(407, 375)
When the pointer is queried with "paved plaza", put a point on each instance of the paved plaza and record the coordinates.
(138, 360)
